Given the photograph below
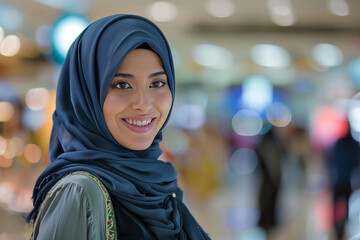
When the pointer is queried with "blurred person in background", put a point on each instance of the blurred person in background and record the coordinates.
(287, 160)
(270, 152)
(104, 181)
(343, 160)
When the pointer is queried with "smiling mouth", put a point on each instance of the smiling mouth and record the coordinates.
(138, 123)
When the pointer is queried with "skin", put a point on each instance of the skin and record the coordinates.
(138, 92)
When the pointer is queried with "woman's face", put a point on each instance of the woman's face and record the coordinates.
(138, 100)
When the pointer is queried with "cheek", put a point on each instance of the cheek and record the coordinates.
(113, 104)
(164, 103)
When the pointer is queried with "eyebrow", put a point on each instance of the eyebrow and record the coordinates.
(128, 75)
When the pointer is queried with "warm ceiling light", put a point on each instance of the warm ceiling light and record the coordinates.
(268, 55)
(220, 8)
(284, 21)
(10, 46)
(281, 12)
(338, 7)
(162, 11)
(327, 55)
(212, 56)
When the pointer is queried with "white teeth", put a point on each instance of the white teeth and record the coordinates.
(138, 123)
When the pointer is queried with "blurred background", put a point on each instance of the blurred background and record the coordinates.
(266, 125)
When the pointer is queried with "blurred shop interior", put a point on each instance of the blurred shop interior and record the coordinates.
(265, 128)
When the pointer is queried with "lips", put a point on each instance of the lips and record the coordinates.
(139, 124)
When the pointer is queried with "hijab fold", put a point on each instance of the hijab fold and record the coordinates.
(140, 185)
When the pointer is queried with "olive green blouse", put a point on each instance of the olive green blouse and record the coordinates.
(77, 207)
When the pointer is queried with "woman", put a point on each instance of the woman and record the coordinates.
(105, 181)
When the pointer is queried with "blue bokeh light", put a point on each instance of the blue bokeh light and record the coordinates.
(64, 32)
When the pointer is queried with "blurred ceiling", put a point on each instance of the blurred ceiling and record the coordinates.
(250, 24)
(249, 15)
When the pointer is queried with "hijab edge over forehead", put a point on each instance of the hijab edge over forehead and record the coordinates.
(164, 54)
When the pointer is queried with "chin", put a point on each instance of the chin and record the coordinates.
(137, 147)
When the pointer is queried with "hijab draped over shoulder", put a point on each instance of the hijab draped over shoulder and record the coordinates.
(140, 185)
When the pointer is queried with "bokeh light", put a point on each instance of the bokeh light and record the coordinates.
(32, 153)
(268, 55)
(37, 98)
(281, 12)
(244, 161)
(338, 7)
(6, 111)
(285, 21)
(257, 93)
(247, 122)
(162, 11)
(10, 45)
(212, 56)
(220, 8)
(65, 31)
(279, 114)
(327, 55)
(329, 125)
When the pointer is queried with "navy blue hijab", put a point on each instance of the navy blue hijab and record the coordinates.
(140, 185)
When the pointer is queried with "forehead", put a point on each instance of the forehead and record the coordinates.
(139, 60)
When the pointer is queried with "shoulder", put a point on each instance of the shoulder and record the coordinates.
(75, 206)
(79, 190)
(85, 184)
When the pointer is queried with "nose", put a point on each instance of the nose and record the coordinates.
(141, 101)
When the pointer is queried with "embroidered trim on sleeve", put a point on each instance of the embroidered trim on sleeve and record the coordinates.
(111, 233)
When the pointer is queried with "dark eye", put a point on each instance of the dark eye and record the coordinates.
(122, 85)
(157, 84)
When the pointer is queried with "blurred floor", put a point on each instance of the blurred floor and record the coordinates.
(214, 213)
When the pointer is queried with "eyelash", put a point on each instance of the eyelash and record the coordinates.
(117, 84)
(162, 84)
